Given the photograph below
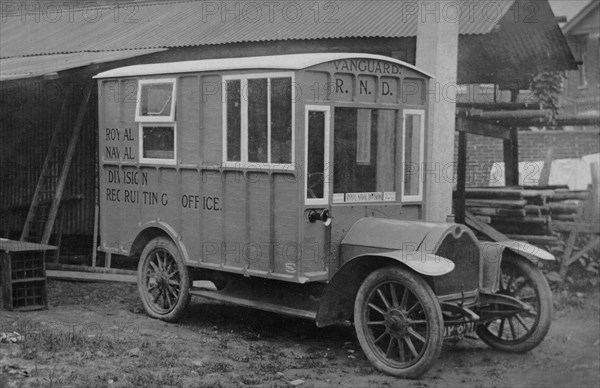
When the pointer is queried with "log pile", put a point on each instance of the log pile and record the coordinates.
(525, 213)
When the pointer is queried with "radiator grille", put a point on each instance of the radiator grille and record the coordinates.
(464, 253)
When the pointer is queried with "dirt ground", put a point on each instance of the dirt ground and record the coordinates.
(96, 335)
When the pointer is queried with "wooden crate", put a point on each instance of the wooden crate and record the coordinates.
(23, 275)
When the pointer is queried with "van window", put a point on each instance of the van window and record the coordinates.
(234, 121)
(156, 100)
(317, 154)
(364, 155)
(155, 111)
(158, 142)
(258, 119)
(413, 150)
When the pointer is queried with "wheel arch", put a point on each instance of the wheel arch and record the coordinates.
(152, 230)
(337, 303)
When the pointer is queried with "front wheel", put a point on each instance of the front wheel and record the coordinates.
(398, 322)
(163, 280)
(520, 331)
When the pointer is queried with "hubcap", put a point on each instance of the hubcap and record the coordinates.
(396, 323)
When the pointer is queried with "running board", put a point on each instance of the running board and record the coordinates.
(223, 296)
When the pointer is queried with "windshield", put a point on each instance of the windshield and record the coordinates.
(364, 155)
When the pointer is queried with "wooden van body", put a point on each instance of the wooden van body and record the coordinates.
(230, 157)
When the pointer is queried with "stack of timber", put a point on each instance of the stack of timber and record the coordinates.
(526, 213)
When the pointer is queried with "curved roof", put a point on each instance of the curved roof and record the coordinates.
(279, 62)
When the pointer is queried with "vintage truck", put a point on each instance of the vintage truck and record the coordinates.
(294, 184)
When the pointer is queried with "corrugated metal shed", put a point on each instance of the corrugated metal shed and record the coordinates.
(27, 67)
(53, 30)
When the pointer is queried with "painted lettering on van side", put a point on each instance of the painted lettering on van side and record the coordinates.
(119, 151)
(189, 201)
(366, 66)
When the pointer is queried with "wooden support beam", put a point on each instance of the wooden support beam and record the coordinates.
(90, 276)
(496, 203)
(511, 159)
(498, 106)
(35, 202)
(545, 174)
(495, 193)
(484, 228)
(578, 120)
(85, 268)
(513, 115)
(482, 128)
(461, 178)
(594, 215)
(66, 165)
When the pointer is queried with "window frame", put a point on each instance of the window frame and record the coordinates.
(413, 198)
(326, 163)
(141, 143)
(243, 78)
(155, 119)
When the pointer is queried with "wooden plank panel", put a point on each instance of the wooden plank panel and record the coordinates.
(211, 219)
(211, 118)
(188, 119)
(190, 205)
(285, 209)
(234, 219)
(257, 251)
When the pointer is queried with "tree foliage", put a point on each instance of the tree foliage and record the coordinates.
(546, 86)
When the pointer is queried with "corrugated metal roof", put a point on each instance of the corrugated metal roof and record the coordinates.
(291, 62)
(193, 23)
(28, 67)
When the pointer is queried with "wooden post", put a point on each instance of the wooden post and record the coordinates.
(595, 200)
(461, 177)
(59, 233)
(545, 174)
(511, 159)
(437, 53)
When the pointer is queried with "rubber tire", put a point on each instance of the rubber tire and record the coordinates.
(184, 288)
(544, 295)
(423, 292)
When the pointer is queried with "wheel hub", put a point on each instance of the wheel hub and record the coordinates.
(162, 280)
(396, 323)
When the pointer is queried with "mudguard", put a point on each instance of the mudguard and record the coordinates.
(530, 252)
(421, 262)
(373, 243)
(493, 252)
(393, 234)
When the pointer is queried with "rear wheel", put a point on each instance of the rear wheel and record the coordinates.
(398, 322)
(163, 280)
(520, 331)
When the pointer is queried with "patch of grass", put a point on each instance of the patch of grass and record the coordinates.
(149, 378)
(58, 341)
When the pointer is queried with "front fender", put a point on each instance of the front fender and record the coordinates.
(424, 263)
(493, 252)
(337, 302)
(530, 252)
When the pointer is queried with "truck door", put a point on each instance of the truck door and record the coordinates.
(316, 234)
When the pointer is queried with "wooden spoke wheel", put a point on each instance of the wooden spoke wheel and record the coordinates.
(398, 322)
(163, 280)
(520, 331)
